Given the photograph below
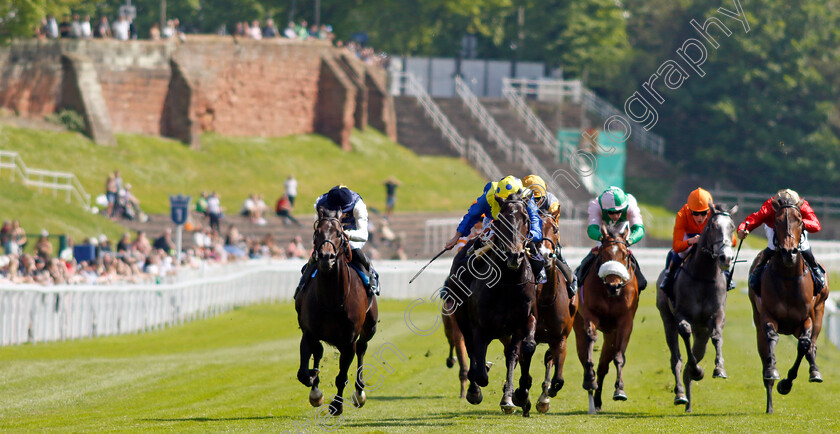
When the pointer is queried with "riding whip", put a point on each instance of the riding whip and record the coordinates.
(424, 267)
(731, 272)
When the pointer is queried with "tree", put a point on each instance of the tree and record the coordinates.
(21, 18)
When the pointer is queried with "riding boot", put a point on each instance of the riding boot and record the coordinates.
(754, 281)
(306, 275)
(640, 278)
(361, 260)
(537, 264)
(728, 275)
(816, 270)
(571, 279)
(583, 269)
(667, 284)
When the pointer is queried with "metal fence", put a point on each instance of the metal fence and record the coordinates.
(44, 179)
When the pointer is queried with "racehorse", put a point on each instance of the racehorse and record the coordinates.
(456, 345)
(787, 303)
(555, 315)
(608, 302)
(335, 308)
(500, 306)
(700, 290)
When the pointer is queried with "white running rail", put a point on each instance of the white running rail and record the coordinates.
(471, 150)
(44, 179)
(487, 122)
(34, 313)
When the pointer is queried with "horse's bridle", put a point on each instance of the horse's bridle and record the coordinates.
(342, 248)
(626, 262)
(713, 252)
(787, 224)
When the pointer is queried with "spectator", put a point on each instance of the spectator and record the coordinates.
(86, 31)
(124, 245)
(76, 27)
(6, 238)
(290, 32)
(302, 32)
(111, 191)
(154, 32)
(296, 249)
(141, 244)
(291, 188)
(51, 29)
(254, 32)
(283, 209)
(270, 30)
(201, 204)
(103, 29)
(18, 236)
(169, 30)
(164, 242)
(391, 185)
(248, 207)
(214, 210)
(235, 243)
(104, 244)
(121, 29)
(65, 28)
(261, 208)
(43, 248)
(239, 31)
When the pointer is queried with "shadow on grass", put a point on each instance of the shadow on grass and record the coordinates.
(211, 419)
(436, 421)
(400, 398)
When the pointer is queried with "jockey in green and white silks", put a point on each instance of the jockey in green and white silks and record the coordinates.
(613, 207)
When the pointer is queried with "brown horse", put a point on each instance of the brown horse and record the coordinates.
(787, 303)
(700, 303)
(334, 307)
(456, 345)
(608, 302)
(500, 305)
(555, 315)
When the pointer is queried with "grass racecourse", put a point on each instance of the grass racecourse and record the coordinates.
(236, 372)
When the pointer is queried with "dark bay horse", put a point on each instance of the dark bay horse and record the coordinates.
(608, 302)
(500, 306)
(555, 315)
(787, 303)
(700, 298)
(334, 307)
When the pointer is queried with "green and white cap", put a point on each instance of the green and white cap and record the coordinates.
(613, 199)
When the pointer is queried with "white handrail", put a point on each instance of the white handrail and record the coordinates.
(534, 124)
(432, 110)
(471, 150)
(487, 122)
(40, 178)
(533, 164)
(643, 139)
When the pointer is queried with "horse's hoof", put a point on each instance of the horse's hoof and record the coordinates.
(680, 400)
(508, 408)
(488, 365)
(316, 397)
(359, 399)
(719, 373)
(474, 398)
(336, 408)
(450, 362)
(520, 397)
(784, 386)
(816, 377)
(526, 410)
(688, 409)
(619, 395)
(771, 374)
(543, 404)
(555, 387)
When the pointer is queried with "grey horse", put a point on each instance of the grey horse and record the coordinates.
(699, 303)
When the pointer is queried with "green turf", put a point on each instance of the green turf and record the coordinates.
(237, 167)
(236, 372)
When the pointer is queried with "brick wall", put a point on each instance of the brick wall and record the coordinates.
(233, 87)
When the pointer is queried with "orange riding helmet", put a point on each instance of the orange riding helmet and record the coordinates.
(699, 200)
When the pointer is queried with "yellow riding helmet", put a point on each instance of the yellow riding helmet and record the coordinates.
(535, 184)
(699, 200)
(507, 186)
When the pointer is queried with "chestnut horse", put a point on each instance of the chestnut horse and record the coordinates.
(700, 303)
(500, 305)
(608, 302)
(555, 314)
(787, 303)
(334, 307)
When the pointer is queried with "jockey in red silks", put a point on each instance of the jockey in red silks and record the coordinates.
(766, 215)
